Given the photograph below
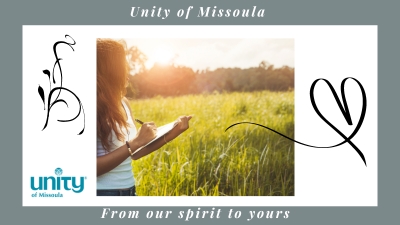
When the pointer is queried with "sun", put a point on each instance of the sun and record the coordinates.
(163, 55)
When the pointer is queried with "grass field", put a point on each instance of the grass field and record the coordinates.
(246, 160)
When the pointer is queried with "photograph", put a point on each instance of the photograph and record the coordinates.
(187, 117)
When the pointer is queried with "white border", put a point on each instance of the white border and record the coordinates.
(323, 177)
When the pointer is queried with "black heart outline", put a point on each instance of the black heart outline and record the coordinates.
(345, 111)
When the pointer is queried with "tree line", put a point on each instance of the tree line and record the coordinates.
(173, 80)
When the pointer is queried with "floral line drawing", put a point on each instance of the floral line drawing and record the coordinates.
(59, 88)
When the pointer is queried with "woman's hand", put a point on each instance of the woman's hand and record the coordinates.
(146, 133)
(182, 125)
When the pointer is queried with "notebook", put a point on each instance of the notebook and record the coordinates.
(161, 131)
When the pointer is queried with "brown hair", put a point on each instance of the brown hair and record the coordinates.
(112, 72)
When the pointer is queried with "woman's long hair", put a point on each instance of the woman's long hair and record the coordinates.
(112, 72)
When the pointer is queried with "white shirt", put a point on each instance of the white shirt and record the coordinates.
(121, 176)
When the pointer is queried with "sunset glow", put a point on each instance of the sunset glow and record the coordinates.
(162, 55)
(201, 54)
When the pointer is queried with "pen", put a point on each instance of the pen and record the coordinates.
(139, 121)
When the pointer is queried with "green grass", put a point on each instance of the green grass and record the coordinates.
(246, 160)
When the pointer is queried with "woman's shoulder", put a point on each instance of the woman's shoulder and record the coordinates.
(127, 103)
(125, 100)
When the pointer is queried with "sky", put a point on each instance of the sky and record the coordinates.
(200, 54)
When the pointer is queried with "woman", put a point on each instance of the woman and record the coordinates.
(117, 137)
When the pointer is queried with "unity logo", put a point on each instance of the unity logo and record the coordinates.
(58, 183)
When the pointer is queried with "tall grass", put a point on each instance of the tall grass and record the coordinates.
(246, 160)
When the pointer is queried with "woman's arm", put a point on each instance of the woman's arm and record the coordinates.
(183, 124)
(111, 160)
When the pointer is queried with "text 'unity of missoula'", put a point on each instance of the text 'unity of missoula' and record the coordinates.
(163, 13)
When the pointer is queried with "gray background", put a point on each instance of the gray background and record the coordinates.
(14, 14)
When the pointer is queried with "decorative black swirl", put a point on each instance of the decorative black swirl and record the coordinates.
(59, 88)
(344, 109)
